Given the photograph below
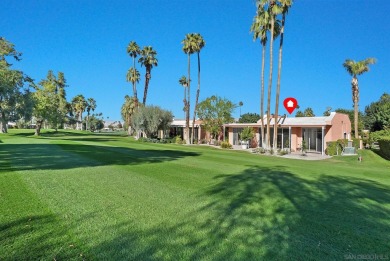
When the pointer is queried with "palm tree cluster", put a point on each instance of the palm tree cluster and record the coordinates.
(147, 58)
(192, 43)
(79, 105)
(265, 23)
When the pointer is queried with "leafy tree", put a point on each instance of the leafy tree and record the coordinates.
(214, 112)
(189, 47)
(148, 59)
(377, 114)
(357, 68)
(199, 45)
(45, 107)
(249, 118)
(150, 119)
(22, 114)
(11, 82)
(127, 111)
(58, 85)
(79, 104)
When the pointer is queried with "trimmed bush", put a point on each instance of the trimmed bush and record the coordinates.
(384, 147)
(226, 145)
(331, 148)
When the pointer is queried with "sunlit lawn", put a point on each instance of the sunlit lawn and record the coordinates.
(104, 197)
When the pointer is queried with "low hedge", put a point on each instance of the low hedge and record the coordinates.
(333, 148)
(384, 147)
(336, 147)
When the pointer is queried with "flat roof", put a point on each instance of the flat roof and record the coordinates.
(293, 121)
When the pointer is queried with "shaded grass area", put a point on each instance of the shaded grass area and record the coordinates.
(107, 197)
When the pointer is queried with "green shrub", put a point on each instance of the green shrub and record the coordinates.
(226, 145)
(342, 143)
(356, 143)
(217, 143)
(247, 134)
(282, 152)
(178, 140)
(377, 135)
(332, 148)
(142, 139)
(384, 147)
(259, 150)
(203, 141)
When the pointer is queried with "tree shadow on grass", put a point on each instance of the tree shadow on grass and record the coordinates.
(37, 237)
(266, 214)
(66, 156)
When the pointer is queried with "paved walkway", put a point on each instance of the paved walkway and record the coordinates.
(293, 155)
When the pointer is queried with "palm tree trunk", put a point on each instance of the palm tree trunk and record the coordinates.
(270, 77)
(135, 87)
(196, 100)
(278, 83)
(147, 78)
(355, 95)
(262, 95)
(188, 104)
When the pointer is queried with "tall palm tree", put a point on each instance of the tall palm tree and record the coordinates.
(133, 50)
(200, 43)
(148, 59)
(189, 47)
(354, 69)
(272, 11)
(91, 106)
(184, 82)
(271, 6)
(133, 76)
(260, 28)
(284, 6)
(79, 105)
(240, 104)
(127, 110)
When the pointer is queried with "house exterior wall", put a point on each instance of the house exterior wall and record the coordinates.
(296, 138)
(341, 124)
(334, 127)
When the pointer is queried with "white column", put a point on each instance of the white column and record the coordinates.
(289, 136)
(323, 141)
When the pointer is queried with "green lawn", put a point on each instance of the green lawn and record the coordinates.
(104, 197)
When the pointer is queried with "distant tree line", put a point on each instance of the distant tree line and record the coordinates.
(32, 104)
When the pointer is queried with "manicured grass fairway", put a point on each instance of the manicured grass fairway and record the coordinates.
(100, 197)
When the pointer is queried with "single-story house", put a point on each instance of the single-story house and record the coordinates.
(178, 127)
(315, 131)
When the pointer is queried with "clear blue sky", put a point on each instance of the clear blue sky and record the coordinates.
(87, 41)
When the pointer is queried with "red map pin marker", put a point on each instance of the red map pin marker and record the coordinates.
(290, 104)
